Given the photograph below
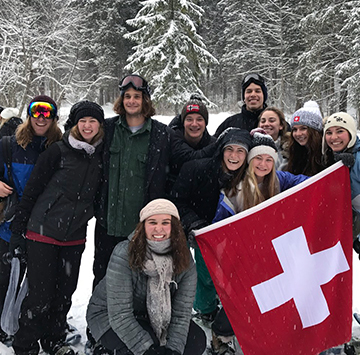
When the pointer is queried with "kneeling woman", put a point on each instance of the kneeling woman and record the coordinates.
(143, 304)
(50, 227)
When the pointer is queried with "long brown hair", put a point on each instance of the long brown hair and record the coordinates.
(147, 109)
(230, 188)
(77, 135)
(307, 159)
(179, 249)
(250, 192)
(25, 133)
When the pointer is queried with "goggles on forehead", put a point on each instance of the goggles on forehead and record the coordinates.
(37, 109)
(136, 81)
(253, 77)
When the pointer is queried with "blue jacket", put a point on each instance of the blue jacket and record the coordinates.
(355, 177)
(286, 180)
(23, 161)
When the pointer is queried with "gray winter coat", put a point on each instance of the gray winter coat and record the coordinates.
(121, 296)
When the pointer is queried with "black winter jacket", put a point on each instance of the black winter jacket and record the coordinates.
(157, 165)
(59, 197)
(245, 120)
(196, 192)
(179, 147)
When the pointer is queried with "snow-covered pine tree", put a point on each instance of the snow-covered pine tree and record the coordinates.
(169, 52)
(257, 38)
(349, 36)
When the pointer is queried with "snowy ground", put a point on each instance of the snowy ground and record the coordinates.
(83, 292)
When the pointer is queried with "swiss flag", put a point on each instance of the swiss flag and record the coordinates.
(282, 269)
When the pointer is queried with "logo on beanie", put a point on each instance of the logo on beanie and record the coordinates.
(192, 108)
(339, 119)
(296, 118)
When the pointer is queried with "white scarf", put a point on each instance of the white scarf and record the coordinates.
(159, 269)
(89, 149)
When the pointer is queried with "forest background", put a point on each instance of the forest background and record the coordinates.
(79, 49)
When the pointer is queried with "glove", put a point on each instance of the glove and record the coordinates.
(192, 240)
(17, 246)
(348, 159)
(155, 350)
(201, 223)
(356, 246)
(171, 352)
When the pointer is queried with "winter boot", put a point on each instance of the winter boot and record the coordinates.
(62, 349)
(6, 339)
(222, 345)
(73, 336)
(206, 318)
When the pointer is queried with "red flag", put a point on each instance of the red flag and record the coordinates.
(282, 269)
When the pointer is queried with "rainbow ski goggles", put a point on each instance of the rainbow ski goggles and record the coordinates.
(45, 109)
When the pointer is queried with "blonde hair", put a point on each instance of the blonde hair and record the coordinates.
(251, 195)
(25, 133)
(77, 135)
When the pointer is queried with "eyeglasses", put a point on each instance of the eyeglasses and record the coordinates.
(135, 80)
(45, 109)
(254, 77)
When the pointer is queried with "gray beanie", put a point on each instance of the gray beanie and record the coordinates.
(159, 206)
(309, 115)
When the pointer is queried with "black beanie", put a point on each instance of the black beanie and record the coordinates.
(256, 79)
(195, 105)
(43, 98)
(85, 109)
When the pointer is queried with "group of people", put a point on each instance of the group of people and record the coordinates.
(150, 186)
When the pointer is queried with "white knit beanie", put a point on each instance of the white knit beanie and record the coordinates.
(9, 112)
(159, 206)
(344, 120)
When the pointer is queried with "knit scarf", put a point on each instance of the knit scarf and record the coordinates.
(159, 269)
(89, 149)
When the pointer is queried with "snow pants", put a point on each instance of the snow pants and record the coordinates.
(195, 345)
(205, 297)
(52, 273)
(104, 246)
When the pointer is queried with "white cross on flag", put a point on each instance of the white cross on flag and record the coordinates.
(282, 269)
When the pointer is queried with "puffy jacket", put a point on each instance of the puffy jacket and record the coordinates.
(121, 296)
(59, 196)
(245, 120)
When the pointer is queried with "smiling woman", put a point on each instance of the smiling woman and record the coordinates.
(50, 224)
(305, 142)
(143, 305)
(37, 133)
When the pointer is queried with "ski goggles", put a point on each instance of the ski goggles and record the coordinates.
(253, 77)
(136, 81)
(45, 109)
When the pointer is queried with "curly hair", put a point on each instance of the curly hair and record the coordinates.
(25, 133)
(179, 249)
(147, 109)
(307, 159)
